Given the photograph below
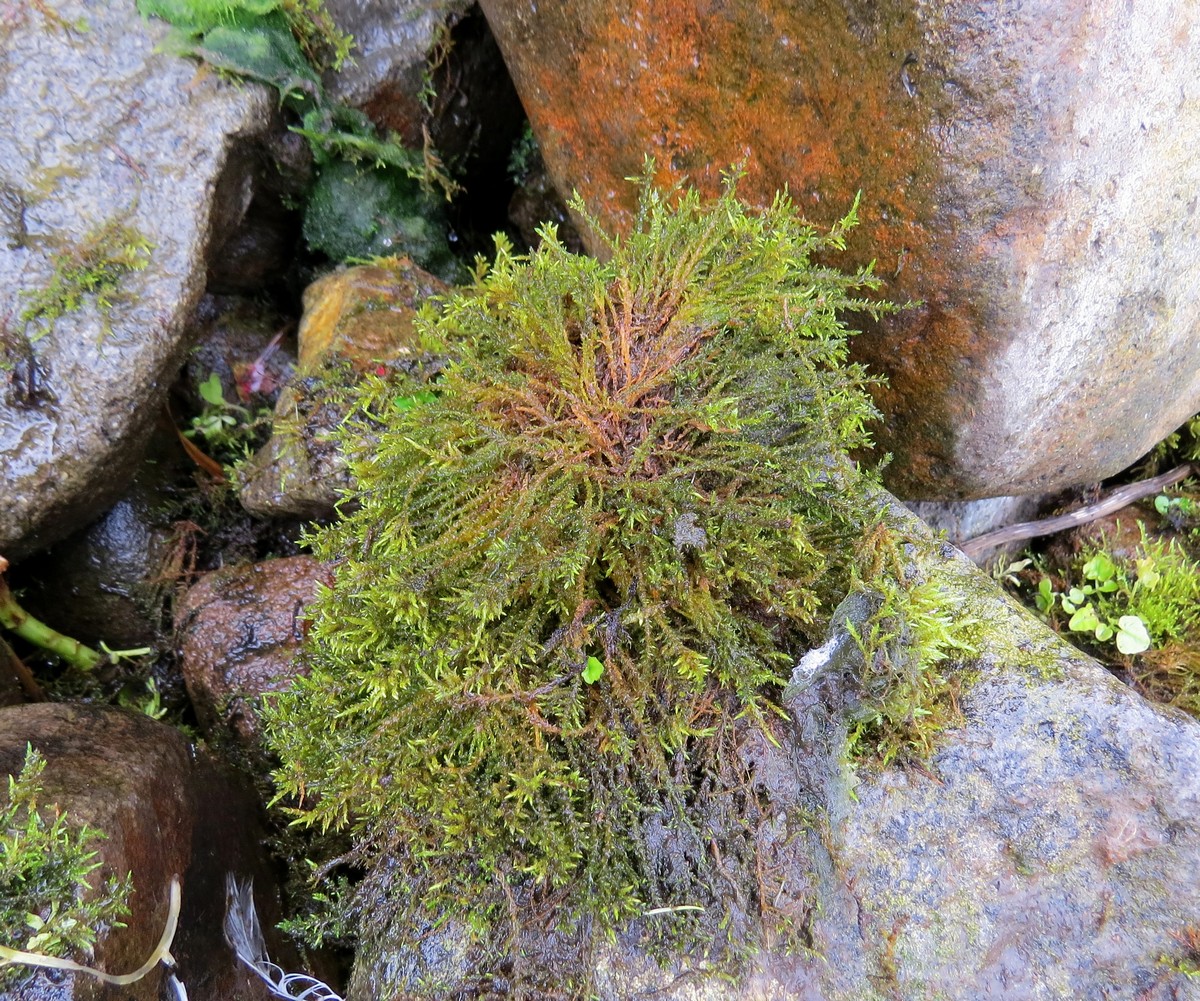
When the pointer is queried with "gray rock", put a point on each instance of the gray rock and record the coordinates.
(1027, 171)
(389, 67)
(110, 581)
(964, 520)
(104, 131)
(1049, 849)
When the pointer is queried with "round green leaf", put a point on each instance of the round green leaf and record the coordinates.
(1085, 620)
(592, 670)
(1131, 635)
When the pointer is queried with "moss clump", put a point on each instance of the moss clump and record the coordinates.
(909, 689)
(362, 211)
(47, 903)
(90, 269)
(572, 574)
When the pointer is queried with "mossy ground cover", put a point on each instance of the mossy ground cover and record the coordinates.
(1130, 594)
(577, 568)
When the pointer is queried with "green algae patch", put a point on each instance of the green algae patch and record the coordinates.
(575, 569)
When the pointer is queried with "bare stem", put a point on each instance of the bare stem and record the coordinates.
(1048, 526)
(15, 618)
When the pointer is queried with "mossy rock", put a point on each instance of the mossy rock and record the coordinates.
(1049, 845)
(568, 692)
(356, 211)
(576, 567)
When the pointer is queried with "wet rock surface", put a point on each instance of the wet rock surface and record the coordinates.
(246, 344)
(392, 43)
(168, 811)
(110, 581)
(1050, 848)
(105, 134)
(359, 317)
(239, 632)
(964, 520)
(1025, 174)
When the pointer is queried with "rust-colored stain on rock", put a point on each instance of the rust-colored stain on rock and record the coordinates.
(779, 90)
(959, 123)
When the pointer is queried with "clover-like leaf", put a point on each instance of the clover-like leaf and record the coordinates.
(1044, 599)
(1084, 620)
(1131, 635)
(211, 392)
(1099, 568)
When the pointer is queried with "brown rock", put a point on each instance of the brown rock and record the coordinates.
(167, 812)
(239, 631)
(364, 313)
(1025, 172)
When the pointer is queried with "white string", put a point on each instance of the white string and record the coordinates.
(244, 935)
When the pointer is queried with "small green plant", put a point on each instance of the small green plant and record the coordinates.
(1180, 512)
(1089, 612)
(571, 576)
(148, 702)
(1136, 603)
(230, 431)
(373, 195)
(50, 902)
(315, 39)
(90, 270)
(525, 154)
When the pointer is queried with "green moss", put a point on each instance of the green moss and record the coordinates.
(915, 624)
(90, 270)
(637, 464)
(911, 690)
(48, 903)
(367, 211)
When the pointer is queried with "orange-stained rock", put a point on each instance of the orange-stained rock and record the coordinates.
(1028, 173)
(364, 313)
(362, 316)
